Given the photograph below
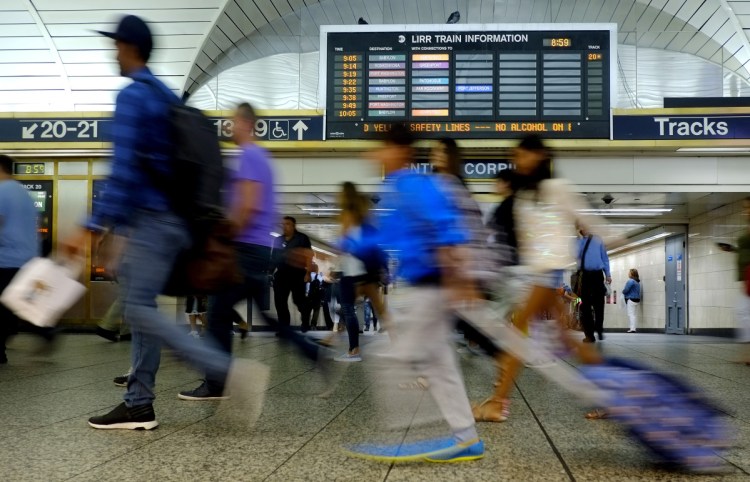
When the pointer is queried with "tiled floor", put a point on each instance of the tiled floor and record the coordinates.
(46, 400)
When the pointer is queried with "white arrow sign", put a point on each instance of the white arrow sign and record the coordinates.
(28, 132)
(300, 127)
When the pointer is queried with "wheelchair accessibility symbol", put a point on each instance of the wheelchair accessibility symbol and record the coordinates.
(279, 130)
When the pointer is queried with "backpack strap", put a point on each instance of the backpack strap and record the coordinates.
(585, 248)
(160, 180)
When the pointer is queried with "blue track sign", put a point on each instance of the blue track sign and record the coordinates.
(276, 128)
(680, 127)
(97, 129)
(92, 129)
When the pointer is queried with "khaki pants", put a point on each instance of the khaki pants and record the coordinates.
(423, 348)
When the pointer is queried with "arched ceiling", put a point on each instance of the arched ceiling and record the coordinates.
(50, 58)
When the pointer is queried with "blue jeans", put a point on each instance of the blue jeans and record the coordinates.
(370, 315)
(155, 241)
(255, 263)
(348, 297)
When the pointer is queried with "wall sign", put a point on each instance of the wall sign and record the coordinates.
(97, 129)
(680, 127)
(468, 81)
(472, 170)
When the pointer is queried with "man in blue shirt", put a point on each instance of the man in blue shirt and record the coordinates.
(422, 228)
(18, 239)
(157, 235)
(594, 264)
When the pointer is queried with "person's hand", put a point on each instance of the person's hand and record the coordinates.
(609, 280)
(74, 246)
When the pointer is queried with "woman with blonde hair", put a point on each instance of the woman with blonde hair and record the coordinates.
(632, 294)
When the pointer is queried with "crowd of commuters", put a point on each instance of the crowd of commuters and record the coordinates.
(447, 257)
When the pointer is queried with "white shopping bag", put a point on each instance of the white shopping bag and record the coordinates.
(42, 291)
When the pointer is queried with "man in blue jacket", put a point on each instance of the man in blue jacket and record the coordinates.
(423, 229)
(141, 133)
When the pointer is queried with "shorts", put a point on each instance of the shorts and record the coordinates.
(196, 305)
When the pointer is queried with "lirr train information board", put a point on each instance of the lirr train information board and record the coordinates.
(469, 81)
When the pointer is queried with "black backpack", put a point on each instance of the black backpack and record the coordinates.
(193, 186)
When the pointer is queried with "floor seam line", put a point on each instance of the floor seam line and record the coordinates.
(319, 431)
(546, 435)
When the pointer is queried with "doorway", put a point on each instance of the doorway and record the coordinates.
(675, 276)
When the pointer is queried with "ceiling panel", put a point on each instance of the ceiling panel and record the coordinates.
(267, 9)
(229, 28)
(25, 56)
(84, 17)
(29, 70)
(740, 8)
(487, 11)
(724, 33)
(621, 12)
(607, 10)
(182, 28)
(631, 22)
(11, 17)
(30, 83)
(375, 10)
(238, 17)
(680, 40)
(663, 39)
(473, 11)
(540, 12)
(704, 13)
(696, 43)
(23, 43)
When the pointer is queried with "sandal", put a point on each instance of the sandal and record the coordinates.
(597, 414)
(482, 412)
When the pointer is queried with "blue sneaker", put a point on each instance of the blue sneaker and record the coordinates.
(472, 450)
(439, 450)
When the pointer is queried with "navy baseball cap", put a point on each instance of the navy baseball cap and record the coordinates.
(134, 31)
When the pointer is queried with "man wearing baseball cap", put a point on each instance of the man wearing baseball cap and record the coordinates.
(140, 206)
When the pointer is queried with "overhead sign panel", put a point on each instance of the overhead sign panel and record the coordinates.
(97, 129)
(469, 81)
(681, 127)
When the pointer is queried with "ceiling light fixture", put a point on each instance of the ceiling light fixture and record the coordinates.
(626, 210)
(713, 149)
(315, 248)
(639, 242)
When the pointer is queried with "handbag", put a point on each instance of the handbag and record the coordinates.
(210, 265)
(576, 279)
(42, 291)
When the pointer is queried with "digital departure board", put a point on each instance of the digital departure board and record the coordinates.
(469, 81)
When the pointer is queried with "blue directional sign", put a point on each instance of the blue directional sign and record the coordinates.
(276, 128)
(97, 129)
(92, 129)
(680, 127)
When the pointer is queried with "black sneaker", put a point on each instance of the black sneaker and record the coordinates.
(141, 417)
(202, 393)
(122, 380)
(106, 334)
